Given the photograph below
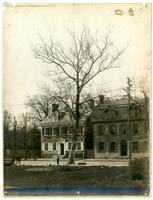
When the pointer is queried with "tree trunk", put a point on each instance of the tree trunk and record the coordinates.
(74, 144)
(71, 159)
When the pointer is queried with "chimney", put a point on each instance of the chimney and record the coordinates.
(91, 104)
(55, 107)
(101, 99)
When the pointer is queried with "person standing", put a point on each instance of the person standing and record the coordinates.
(57, 159)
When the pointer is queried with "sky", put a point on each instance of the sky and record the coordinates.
(22, 25)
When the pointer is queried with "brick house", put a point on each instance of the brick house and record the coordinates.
(107, 130)
(57, 133)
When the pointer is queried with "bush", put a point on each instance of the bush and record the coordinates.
(139, 169)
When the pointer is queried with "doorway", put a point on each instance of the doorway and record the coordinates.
(123, 148)
(62, 149)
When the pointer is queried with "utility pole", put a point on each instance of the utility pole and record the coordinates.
(128, 91)
(15, 141)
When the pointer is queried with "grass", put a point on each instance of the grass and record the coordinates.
(86, 176)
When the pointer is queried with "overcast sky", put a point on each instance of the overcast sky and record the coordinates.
(23, 73)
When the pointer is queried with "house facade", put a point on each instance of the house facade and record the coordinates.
(114, 131)
(57, 133)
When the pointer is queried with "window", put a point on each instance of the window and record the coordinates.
(135, 112)
(42, 131)
(64, 130)
(50, 131)
(55, 131)
(69, 146)
(135, 128)
(46, 146)
(101, 130)
(80, 130)
(70, 131)
(113, 129)
(145, 146)
(47, 131)
(108, 115)
(111, 114)
(54, 146)
(79, 146)
(135, 147)
(123, 129)
(112, 147)
(101, 146)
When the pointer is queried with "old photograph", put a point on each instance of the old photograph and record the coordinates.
(76, 99)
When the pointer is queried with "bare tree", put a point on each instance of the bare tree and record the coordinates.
(145, 90)
(24, 119)
(39, 105)
(80, 63)
(7, 123)
(7, 120)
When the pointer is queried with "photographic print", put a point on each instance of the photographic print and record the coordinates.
(76, 99)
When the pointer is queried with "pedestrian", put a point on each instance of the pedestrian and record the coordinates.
(57, 159)
(18, 160)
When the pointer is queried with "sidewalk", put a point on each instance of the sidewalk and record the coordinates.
(78, 162)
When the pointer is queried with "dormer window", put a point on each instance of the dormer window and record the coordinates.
(135, 111)
(110, 113)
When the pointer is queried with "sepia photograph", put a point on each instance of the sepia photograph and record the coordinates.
(77, 100)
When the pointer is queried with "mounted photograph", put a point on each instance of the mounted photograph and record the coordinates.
(77, 100)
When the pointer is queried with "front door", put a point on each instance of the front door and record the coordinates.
(123, 148)
(62, 149)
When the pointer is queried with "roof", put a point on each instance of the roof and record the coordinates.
(121, 110)
(58, 119)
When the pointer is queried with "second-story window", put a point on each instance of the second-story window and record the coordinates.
(47, 131)
(123, 129)
(43, 131)
(145, 146)
(113, 129)
(80, 130)
(64, 130)
(55, 131)
(70, 131)
(101, 130)
(135, 128)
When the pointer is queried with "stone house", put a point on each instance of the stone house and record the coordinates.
(107, 132)
(56, 135)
